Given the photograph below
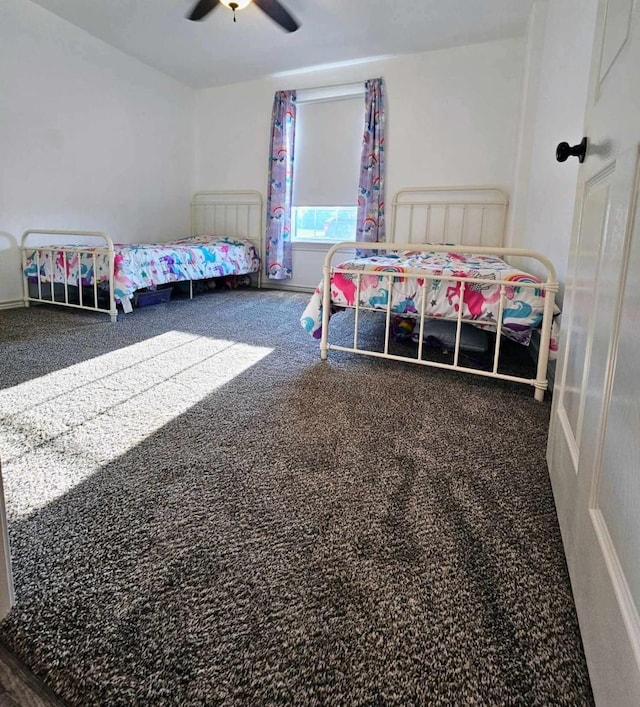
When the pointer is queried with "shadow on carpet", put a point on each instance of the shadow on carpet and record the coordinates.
(349, 532)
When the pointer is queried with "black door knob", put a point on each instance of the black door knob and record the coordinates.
(564, 151)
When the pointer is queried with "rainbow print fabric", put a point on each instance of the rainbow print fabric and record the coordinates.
(522, 309)
(148, 264)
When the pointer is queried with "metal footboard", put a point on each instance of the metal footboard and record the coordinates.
(69, 278)
(549, 287)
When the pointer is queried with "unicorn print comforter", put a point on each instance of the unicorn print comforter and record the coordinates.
(148, 264)
(522, 309)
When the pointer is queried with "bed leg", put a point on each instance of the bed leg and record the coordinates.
(539, 395)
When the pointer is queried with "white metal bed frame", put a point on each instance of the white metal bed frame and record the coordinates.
(476, 216)
(470, 216)
(237, 214)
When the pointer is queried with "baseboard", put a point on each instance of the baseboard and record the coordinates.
(11, 304)
(289, 288)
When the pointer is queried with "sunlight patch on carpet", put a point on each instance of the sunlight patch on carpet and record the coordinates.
(59, 429)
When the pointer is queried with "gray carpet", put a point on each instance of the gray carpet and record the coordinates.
(203, 513)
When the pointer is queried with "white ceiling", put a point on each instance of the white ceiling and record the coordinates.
(216, 51)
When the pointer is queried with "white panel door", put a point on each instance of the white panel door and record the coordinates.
(594, 437)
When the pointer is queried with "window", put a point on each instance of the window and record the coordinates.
(314, 223)
(328, 143)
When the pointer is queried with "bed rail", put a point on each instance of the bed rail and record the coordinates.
(548, 286)
(70, 276)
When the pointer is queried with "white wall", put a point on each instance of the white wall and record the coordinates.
(92, 139)
(530, 88)
(452, 118)
(89, 138)
(561, 36)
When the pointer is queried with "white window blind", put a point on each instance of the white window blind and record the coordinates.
(327, 151)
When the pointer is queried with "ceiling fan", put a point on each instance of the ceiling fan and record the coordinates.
(272, 8)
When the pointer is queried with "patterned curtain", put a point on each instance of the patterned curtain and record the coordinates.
(370, 224)
(278, 237)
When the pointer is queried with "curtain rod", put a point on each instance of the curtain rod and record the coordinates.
(339, 85)
(334, 85)
(330, 93)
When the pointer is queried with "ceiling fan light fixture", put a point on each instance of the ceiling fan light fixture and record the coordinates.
(235, 4)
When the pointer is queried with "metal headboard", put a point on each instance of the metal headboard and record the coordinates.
(237, 214)
(474, 216)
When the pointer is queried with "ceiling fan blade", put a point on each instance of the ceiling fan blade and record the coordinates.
(278, 14)
(202, 9)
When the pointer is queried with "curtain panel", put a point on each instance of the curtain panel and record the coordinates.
(371, 222)
(280, 189)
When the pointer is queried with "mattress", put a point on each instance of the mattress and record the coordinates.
(522, 309)
(147, 264)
